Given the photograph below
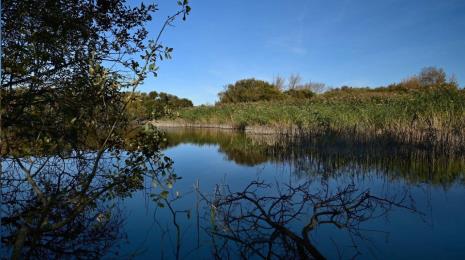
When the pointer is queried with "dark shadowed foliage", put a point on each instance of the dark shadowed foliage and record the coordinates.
(154, 105)
(63, 120)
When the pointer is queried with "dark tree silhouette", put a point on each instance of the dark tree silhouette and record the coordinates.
(276, 221)
(64, 64)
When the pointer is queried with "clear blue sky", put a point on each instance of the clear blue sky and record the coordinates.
(338, 42)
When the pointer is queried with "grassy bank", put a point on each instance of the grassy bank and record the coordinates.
(421, 117)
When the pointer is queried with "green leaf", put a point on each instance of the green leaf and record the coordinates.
(164, 194)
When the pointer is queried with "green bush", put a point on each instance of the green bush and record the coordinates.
(250, 90)
(299, 93)
(154, 105)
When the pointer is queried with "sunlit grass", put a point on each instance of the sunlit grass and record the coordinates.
(429, 117)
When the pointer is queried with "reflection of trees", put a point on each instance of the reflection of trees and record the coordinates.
(59, 206)
(328, 157)
(277, 221)
(235, 145)
(53, 207)
(57, 225)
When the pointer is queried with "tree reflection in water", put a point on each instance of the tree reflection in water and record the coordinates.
(57, 206)
(328, 156)
(277, 221)
(67, 205)
(281, 220)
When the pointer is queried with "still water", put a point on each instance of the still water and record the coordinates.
(239, 196)
(427, 220)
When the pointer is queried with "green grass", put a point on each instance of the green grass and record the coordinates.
(427, 117)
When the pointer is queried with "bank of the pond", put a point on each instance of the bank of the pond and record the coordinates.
(426, 118)
(261, 130)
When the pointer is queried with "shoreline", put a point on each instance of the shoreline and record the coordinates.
(261, 130)
(405, 137)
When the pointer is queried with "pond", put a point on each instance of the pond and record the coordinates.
(431, 184)
(258, 196)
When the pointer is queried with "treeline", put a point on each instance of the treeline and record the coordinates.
(153, 105)
(253, 90)
(76, 111)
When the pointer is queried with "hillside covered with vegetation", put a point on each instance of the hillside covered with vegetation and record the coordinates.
(427, 110)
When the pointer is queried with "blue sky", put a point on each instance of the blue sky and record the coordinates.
(338, 42)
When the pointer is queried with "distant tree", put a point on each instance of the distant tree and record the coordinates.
(279, 82)
(153, 94)
(313, 86)
(249, 90)
(184, 102)
(293, 81)
(431, 76)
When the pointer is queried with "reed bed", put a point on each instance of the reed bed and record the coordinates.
(429, 118)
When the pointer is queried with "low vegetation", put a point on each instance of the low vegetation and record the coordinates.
(425, 110)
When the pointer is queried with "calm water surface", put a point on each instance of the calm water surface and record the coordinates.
(243, 196)
(425, 219)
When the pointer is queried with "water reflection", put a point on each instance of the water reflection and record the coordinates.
(67, 205)
(338, 202)
(277, 220)
(52, 208)
(328, 156)
(316, 198)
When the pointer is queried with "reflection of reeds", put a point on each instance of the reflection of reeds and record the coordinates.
(432, 119)
(329, 155)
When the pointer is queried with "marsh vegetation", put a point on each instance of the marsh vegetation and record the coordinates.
(419, 111)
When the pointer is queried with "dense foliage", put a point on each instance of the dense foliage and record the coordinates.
(61, 64)
(154, 105)
(63, 119)
(250, 90)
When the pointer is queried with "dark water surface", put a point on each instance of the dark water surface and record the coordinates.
(428, 222)
(259, 196)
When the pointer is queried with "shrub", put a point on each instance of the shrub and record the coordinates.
(299, 93)
(428, 78)
(154, 105)
(250, 90)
